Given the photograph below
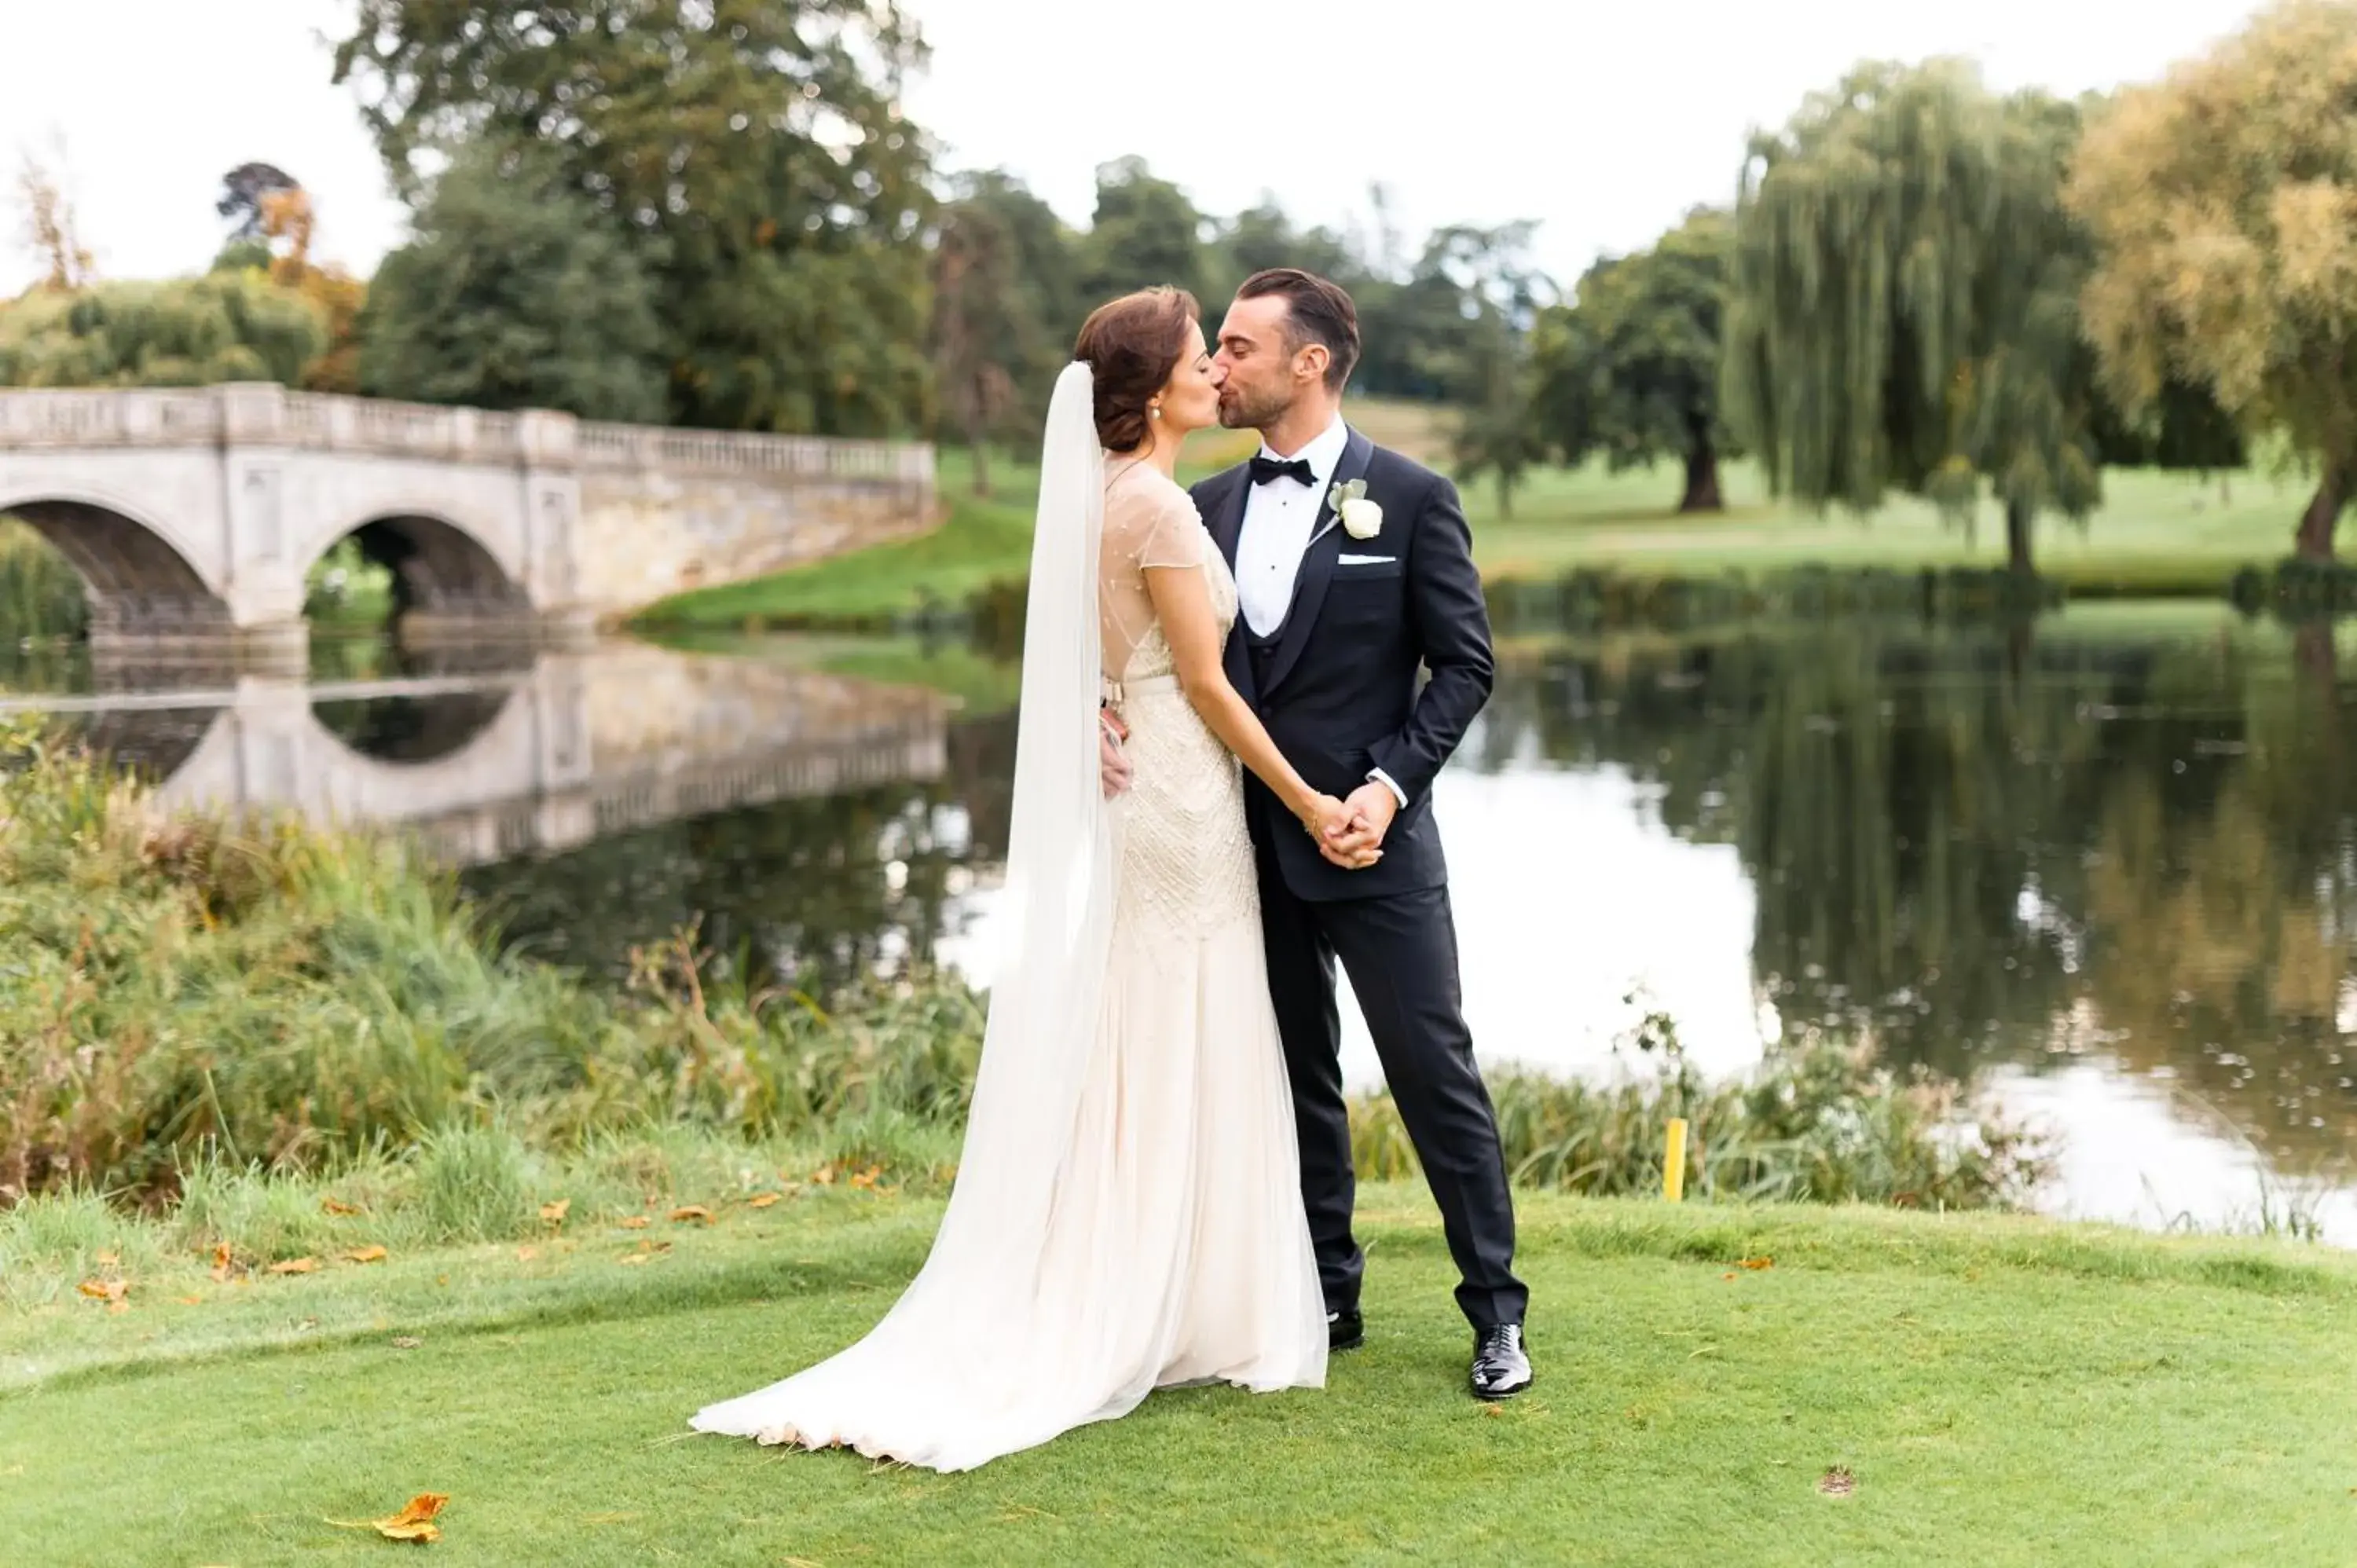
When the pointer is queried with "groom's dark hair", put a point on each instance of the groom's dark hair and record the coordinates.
(1317, 311)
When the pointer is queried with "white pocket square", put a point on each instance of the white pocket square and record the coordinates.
(1365, 560)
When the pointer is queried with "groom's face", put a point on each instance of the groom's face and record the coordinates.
(1255, 363)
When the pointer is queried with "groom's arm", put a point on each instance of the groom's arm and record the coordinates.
(1451, 620)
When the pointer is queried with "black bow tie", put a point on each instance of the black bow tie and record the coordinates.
(1265, 468)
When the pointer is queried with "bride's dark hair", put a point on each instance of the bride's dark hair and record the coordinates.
(1131, 346)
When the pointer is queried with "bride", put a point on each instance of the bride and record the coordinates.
(1127, 1213)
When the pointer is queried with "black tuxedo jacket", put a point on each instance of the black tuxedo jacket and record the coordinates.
(1341, 696)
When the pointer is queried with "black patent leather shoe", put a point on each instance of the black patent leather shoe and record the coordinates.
(1500, 1367)
(1345, 1330)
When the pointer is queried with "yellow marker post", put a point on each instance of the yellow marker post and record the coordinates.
(1673, 1162)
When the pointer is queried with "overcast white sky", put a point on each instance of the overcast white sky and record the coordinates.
(1603, 120)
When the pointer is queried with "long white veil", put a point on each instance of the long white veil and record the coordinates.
(1056, 909)
(975, 1323)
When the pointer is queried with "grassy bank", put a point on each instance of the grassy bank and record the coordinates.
(2158, 536)
(981, 543)
(1999, 1391)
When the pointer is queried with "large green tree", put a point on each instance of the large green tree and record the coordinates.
(512, 294)
(1146, 232)
(1263, 236)
(1629, 371)
(1481, 361)
(1902, 310)
(1495, 435)
(752, 153)
(1003, 312)
(2224, 200)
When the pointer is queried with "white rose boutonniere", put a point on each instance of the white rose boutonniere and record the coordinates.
(1362, 519)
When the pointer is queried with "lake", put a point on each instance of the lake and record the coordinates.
(2106, 861)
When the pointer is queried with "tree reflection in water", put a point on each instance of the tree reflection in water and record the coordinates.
(2097, 834)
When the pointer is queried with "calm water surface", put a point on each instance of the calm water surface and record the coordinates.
(2107, 861)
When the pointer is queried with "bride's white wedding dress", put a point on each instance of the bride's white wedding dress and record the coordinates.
(1128, 1212)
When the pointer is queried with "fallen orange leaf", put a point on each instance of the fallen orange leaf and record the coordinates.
(867, 1178)
(190, 1300)
(556, 1211)
(1728, 1275)
(413, 1522)
(295, 1266)
(1756, 1264)
(695, 1211)
(103, 1290)
(338, 1206)
(824, 1176)
(367, 1255)
(221, 1262)
(763, 1200)
(633, 1222)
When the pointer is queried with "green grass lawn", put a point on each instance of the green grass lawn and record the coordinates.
(2158, 536)
(981, 542)
(2001, 1390)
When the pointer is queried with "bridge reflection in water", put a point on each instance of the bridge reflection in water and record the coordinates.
(562, 748)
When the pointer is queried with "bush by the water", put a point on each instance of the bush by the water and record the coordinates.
(181, 998)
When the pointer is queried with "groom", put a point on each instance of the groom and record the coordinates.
(1342, 606)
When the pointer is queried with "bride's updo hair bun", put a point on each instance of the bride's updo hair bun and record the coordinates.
(1131, 346)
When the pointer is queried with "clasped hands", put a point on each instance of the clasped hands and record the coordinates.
(1350, 833)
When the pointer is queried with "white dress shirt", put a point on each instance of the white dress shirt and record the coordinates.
(1279, 517)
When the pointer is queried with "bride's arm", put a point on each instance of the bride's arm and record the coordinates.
(1183, 603)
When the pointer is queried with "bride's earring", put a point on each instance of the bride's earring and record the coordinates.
(1154, 409)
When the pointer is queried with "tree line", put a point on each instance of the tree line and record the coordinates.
(1927, 286)
(706, 216)
(721, 217)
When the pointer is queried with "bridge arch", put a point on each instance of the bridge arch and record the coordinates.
(139, 575)
(398, 731)
(275, 749)
(441, 567)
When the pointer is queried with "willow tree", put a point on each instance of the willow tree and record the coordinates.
(1902, 302)
(2224, 200)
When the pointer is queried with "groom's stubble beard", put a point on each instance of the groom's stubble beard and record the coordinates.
(1246, 409)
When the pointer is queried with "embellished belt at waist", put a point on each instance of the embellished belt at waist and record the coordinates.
(1118, 691)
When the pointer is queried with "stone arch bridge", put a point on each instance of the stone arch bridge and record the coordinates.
(197, 513)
